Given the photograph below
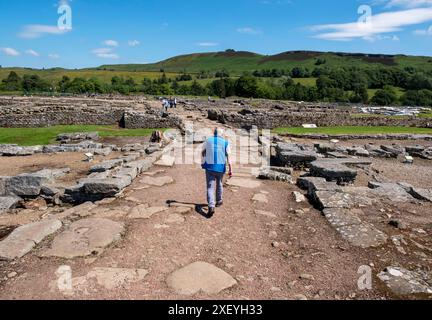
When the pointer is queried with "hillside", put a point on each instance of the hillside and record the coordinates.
(239, 61)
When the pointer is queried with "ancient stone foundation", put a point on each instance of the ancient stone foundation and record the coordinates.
(31, 114)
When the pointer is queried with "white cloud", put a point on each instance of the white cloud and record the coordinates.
(208, 44)
(423, 32)
(249, 30)
(105, 53)
(36, 31)
(10, 52)
(383, 23)
(133, 43)
(111, 43)
(53, 56)
(408, 3)
(32, 53)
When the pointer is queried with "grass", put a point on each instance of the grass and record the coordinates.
(44, 136)
(308, 82)
(353, 130)
(399, 92)
(55, 75)
(426, 115)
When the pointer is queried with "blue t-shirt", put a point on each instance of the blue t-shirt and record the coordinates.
(216, 154)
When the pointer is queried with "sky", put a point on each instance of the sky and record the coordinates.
(90, 33)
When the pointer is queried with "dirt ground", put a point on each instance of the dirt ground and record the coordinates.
(11, 166)
(269, 257)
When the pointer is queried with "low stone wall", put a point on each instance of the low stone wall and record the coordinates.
(286, 118)
(34, 117)
(58, 115)
(425, 137)
(149, 119)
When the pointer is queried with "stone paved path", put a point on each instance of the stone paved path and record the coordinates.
(261, 244)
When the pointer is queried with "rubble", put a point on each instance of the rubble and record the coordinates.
(403, 282)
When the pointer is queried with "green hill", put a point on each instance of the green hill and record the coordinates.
(237, 62)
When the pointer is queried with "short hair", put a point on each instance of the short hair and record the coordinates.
(218, 131)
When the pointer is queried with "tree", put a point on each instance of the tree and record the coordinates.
(13, 82)
(34, 83)
(417, 98)
(246, 86)
(196, 89)
(385, 97)
(64, 84)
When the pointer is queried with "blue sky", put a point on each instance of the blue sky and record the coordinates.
(142, 31)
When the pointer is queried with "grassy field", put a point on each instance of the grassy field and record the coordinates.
(353, 130)
(44, 136)
(238, 62)
(425, 115)
(55, 75)
(399, 92)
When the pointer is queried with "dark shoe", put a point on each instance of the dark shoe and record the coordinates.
(219, 204)
(211, 212)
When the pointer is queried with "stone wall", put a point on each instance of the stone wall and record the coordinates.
(44, 116)
(285, 118)
(149, 119)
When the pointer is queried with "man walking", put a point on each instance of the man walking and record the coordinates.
(216, 152)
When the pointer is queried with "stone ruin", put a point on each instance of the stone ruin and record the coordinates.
(40, 112)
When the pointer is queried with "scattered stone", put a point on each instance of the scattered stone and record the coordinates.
(23, 239)
(12, 274)
(273, 235)
(403, 282)
(300, 297)
(166, 161)
(336, 169)
(398, 224)
(267, 174)
(308, 277)
(299, 197)
(363, 235)
(422, 194)
(107, 278)
(295, 155)
(85, 237)
(260, 198)
(8, 202)
(265, 214)
(244, 183)
(106, 165)
(145, 212)
(200, 276)
(157, 182)
(174, 218)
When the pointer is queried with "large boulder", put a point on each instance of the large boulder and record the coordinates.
(78, 136)
(340, 170)
(8, 202)
(200, 277)
(106, 165)
(403, 282)
(108, 187)
(30, 184)
(85, 237)
(23, 239)
(16, 151)
(295, 155)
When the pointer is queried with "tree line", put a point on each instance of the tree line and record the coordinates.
(342, 85)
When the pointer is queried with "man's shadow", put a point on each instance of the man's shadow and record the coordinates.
(199, 208)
